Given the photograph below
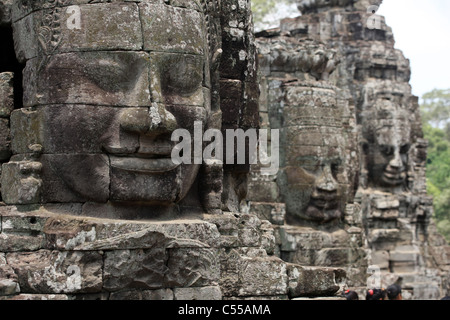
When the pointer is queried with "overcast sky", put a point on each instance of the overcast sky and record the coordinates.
(422, 31)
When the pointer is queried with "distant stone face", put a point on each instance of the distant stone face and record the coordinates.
(313, 180)
(387, 132)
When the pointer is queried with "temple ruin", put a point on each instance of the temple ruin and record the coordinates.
(93, 207)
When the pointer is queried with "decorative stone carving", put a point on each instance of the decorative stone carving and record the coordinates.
(95, 207)
(395, 209)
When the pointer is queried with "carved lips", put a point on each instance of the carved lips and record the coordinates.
(143, 165)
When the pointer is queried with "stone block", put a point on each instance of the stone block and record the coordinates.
(8, 279)
(200, 293)
(311, 281)
(385, 214)
(160, 294)
(129, 185)
(6, 94)
(380, 259)
(404, 267)
(135, 269)
(243, 276)
(264, 191)
(36, 297)
(339, 257)
(108, 78)
(5, 140)
(48, 272)
(172, 29)
(294, 238)
(51, 31)
(21, 183)
(192, 267)
(273, 212)
(75, 178)
(22, 233)
(262, 276)
(383, 239)
(404, 256)
(441, 255)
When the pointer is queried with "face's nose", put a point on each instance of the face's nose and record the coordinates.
(326, 181)
(396, 162)
(153, 121)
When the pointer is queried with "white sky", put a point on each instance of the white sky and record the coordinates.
(422, 31)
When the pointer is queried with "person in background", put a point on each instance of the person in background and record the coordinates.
(376, 294)
(394, 292)
(351, 295)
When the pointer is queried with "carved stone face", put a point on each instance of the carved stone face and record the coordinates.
(314, 180)
(387, 151)
(108, 91)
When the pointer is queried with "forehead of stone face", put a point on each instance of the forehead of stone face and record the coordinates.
(396, 135)
(172, 29)
(387, 90)
(306, 105)
(312, 143)
(388, 122)
(77, 25)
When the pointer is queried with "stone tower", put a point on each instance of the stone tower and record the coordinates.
(345, 44)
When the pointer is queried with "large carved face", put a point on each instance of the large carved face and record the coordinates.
(108, 83)
(388, 135)
(314, 180)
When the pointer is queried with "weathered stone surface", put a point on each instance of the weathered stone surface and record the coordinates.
(6, 94)
(201, 293)
(37, 297)
(115, 78)
(47, 271)
(23, 181)
(192, 267)
(50, 31)
(160, 294)
(5, 12)
(130, 269)
(5, 140)
(311, 281)
(243, 275)
(8, 279)
(181, 30)
(273, 212)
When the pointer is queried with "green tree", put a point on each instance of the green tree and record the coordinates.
(435, 109)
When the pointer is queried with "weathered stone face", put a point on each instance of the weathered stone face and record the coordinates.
(314, 178)
(104, 98)
(314, 182)
(388, 135)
